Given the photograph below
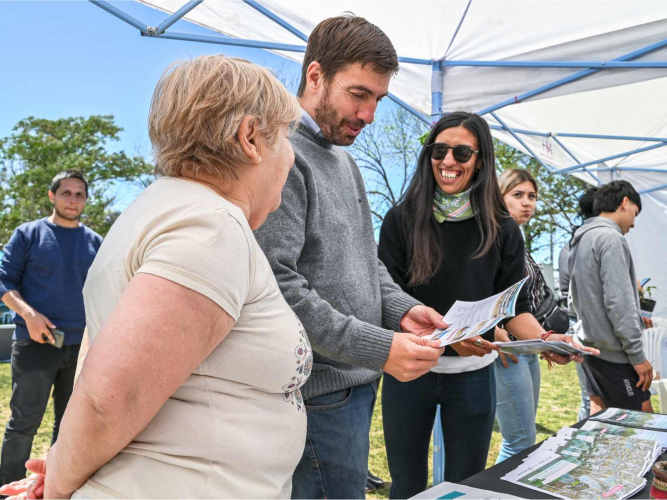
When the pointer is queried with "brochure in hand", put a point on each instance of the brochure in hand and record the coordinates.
(538, 346)
(469, 319)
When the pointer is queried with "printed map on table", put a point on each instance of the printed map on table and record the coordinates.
(630, 432)
(582, 464)
(469, 319)
(631, 418)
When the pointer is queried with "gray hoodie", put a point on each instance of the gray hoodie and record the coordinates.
(604, 292)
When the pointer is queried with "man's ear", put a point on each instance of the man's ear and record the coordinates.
(314, 77)
(248, 137)
(625, 204)
(52, 198)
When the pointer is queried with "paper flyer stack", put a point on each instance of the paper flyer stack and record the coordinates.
(607, 458)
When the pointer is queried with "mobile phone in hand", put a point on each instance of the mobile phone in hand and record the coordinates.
(58, 335)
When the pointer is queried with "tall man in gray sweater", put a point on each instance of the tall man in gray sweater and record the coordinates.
(604, 293)
(322, 249)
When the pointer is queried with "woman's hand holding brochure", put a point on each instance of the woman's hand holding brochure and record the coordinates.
(538, 346)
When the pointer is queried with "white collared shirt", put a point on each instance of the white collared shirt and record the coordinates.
(309, 122)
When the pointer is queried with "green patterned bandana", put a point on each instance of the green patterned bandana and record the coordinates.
(452, 206)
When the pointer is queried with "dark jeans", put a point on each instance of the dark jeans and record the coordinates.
(35, 369)
(335, 460)
(468, 407)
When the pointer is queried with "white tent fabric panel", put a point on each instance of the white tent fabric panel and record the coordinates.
(626, 102)
(647, 244)
(423, 39)
(614, 102)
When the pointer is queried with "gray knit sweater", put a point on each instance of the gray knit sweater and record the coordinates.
(322, 249)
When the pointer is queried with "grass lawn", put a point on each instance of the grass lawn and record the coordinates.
(559, 404)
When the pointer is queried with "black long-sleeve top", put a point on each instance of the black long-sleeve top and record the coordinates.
(459, 277)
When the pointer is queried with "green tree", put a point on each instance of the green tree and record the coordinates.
(38, 149)
(387, 153)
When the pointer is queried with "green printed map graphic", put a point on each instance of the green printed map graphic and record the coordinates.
(593, 465)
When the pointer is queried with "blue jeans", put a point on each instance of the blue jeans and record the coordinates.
(518, 393)
(335, 460)
(468, 403)
(36, 368)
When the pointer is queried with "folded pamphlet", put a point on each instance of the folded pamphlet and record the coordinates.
(537, 346)
(469, 319)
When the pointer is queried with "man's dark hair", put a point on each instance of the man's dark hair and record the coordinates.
(610, 196)
(339, 41)
(586, 203)
(67, 174)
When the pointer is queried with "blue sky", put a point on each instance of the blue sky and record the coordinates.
(74, 59)
(71, 58)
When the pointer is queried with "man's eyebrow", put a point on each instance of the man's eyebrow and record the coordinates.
(364, 89)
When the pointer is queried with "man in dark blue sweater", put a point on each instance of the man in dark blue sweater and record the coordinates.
(42, 274)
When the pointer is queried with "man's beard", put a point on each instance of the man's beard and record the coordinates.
(67, 216)
(332, 125)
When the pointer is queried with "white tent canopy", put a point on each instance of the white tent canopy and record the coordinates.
(626, 102)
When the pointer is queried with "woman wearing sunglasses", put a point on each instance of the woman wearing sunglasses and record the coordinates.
(452, 239)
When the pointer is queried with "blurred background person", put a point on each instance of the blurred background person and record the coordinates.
(42, 273)
(585, 214)
(605, 296)
(518, 381)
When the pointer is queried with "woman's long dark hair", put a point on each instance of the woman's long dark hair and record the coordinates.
(419, 224)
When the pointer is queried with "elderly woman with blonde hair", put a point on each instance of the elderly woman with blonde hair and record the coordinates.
(190, 387)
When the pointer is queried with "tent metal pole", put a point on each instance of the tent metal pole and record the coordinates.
(629, 169)
(650, 190)
(521, 131)
(409, 108)
(164, 25)
(115, 11)
(572, 78)
(277, 19)
(559, 64)
(415, 60)
(583, 136)
(614, 137)
(458, 27)
(613, 157)
(530, 151)
(595, 177)
(436, 90)
(238, 42)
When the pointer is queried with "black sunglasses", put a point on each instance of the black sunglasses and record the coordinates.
(438, 151)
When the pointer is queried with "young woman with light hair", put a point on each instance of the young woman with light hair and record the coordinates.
(190, 388)
(518, 380)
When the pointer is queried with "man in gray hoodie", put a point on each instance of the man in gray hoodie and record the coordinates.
(604, 293)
